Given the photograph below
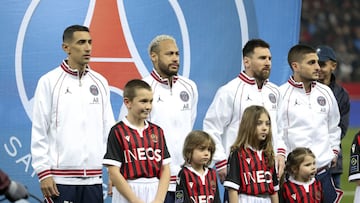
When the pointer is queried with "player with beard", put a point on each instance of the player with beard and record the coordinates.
(309, 116)
(250, 87)
(175, 101)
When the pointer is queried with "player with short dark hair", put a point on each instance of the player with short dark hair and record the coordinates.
(250, 87)
(72, 116)
(309, 116)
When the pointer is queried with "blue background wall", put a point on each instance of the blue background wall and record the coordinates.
(210, 35)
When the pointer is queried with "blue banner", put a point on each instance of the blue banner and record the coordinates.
(210, 36)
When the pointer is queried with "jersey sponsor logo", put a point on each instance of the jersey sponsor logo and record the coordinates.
(296, 102)
(354, 164)
(293, 196)
(318, 195)
(142, 154)
(94, 90)
(68, 91)
(184, 96)
(272, 98)
(322, 110)
(248, 160)
(179, 196)
(321, 101)
(257, 177)
(248, 98)
(178, 180)
(154, 138)
(95, 100)
(186, 107)
(159, 99)
(202, 199)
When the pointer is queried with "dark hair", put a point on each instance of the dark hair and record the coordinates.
(297, 53)
(252, 44)
(133, 85)
(195, 139)
(69, 31)
(295, 158)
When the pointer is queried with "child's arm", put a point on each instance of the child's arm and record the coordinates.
(122, 185)
(163, 184)
(274, 198)
(233, 195)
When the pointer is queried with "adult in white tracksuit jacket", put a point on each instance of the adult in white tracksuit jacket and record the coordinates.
(225, 112)
(251, 87)
(72, 117)
(309, 119)
(174, 105)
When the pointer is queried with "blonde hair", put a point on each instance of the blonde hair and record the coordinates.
(155, 43)
(247, 135)
(195, 139)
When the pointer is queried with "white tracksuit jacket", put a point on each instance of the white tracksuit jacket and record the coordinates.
(225, 112)
(71, 121)
(309, 119)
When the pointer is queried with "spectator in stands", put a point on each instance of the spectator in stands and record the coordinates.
(337, 24)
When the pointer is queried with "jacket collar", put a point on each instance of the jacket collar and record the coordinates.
(70, 71)
(165, 81)
(249, 80)
(299, 84)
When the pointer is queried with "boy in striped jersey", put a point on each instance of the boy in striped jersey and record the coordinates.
(137, 156)
(197, 182)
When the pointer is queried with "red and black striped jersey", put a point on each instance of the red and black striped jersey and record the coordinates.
(295, 192)
(249, 173)
(192, 187)
(138, 154)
